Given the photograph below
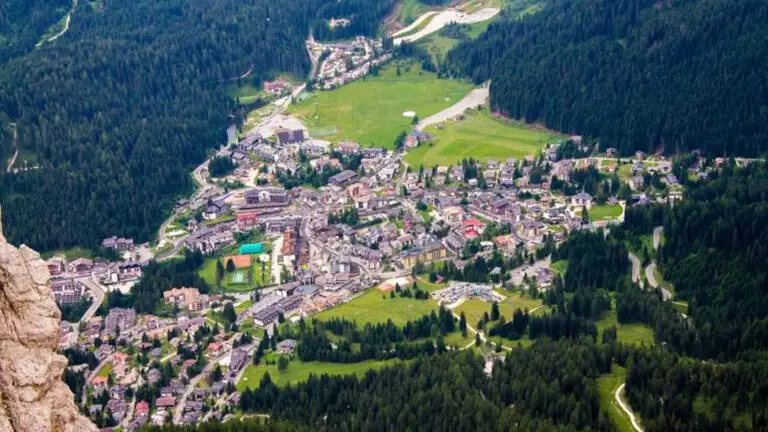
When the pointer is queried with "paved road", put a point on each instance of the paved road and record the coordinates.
(67, 20)
(98, 297)
(627, 409)
(441, 19)
(636, 269)
(650, 275)
(472, 100)
(415, 24)
(657, 237)
(15, 146)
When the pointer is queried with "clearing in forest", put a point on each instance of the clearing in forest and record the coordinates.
(478, 136)
(370, 111)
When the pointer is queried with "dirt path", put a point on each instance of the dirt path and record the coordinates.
(12, 160)
(473, 99)
(627, 409)
(67, 20)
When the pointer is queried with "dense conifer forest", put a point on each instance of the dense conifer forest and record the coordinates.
(24, 22)
(117, 112)
(639, 74)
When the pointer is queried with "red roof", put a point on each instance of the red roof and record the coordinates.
(99, 380)
(472, 222)
(247, 216)
(142, 408)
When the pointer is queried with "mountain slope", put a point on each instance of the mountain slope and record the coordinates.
(639, 74)
(119, 110)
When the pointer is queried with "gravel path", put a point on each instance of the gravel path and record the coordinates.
(473, 99)
(635, 423)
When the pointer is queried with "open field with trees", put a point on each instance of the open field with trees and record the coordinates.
(370, 111)
(605, 212)
(606, 389)
(298, 371)
(634, 333)
(376, 306)
(479, 136)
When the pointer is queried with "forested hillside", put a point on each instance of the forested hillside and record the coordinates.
(120, 109)
(638, 74)
(23, 22)
(364, 17)
(716, 257)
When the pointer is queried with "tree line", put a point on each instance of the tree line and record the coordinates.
(637, 74)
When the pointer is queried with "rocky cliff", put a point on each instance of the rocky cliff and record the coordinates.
(32, 396)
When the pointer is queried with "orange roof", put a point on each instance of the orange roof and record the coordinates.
(99, 380)
(241, 261)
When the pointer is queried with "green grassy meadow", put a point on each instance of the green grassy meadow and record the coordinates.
(474, 308)
(560, 266)
(605, 212)
(635, 334)
(410, 10)
(479, 136)
(376, 306)
(299, 371)
(606, 389)
(370, 111)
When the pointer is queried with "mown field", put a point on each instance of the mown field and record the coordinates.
(479, 136)
(376, 306)
(605, 212)
(370, 111)
(636, 334)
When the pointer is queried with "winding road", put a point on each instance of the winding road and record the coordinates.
(472, 100)
(63, 31)
(438, 20)
(636, 269)
(12, 160)
(627, 409)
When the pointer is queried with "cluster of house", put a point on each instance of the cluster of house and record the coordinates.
(67, 276)
(343, 62)
(120, 338)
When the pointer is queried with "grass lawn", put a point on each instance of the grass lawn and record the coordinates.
(560, 266)
(376, 306)
(605, 212)
(479, 136)
(606, 389)
(105, 370)
(247, 93)
(243, 306)
(474, 308)
(410, 10)
(635, 334)
(370, 111)
(299, 371)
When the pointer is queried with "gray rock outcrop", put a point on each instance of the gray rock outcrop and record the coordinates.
(33, 398)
